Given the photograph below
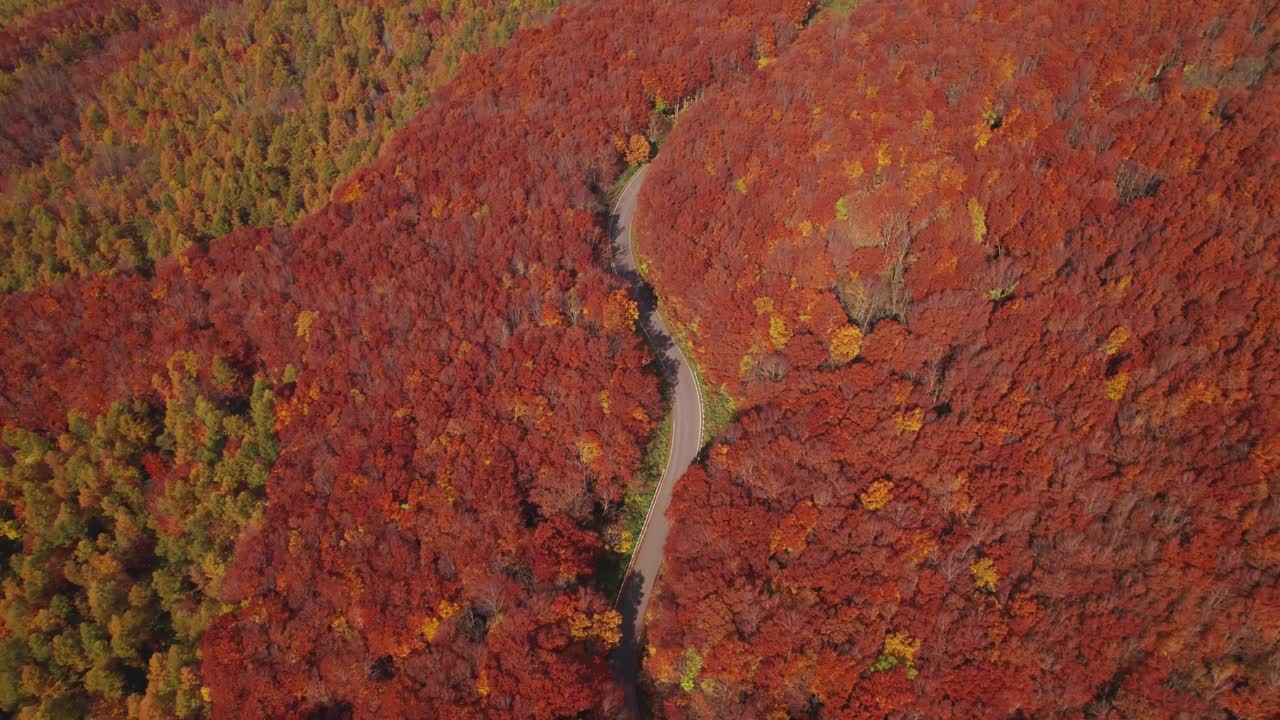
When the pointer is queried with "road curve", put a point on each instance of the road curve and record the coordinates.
(686, 442)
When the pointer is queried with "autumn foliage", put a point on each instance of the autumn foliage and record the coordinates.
(248, 118)
(440, 339)
(995, 288)
(56, 55)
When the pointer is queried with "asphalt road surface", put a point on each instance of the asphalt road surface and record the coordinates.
(686, 442)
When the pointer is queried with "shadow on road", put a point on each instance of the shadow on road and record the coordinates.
(626, 656)
(680, 388)
(647, 305)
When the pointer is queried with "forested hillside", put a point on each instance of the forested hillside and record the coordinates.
(54, 56)
(118, 533)
(460, 403)
(994, 287)
(249, 118)
(318, 398)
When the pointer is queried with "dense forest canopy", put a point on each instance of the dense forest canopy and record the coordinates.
(248, 118)
(319, 399)
(126, 523)
(994, 289)
(460, 400)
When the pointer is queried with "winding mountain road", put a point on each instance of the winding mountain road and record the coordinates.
(686, 442)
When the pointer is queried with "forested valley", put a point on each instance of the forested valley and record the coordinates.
(319, 397)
